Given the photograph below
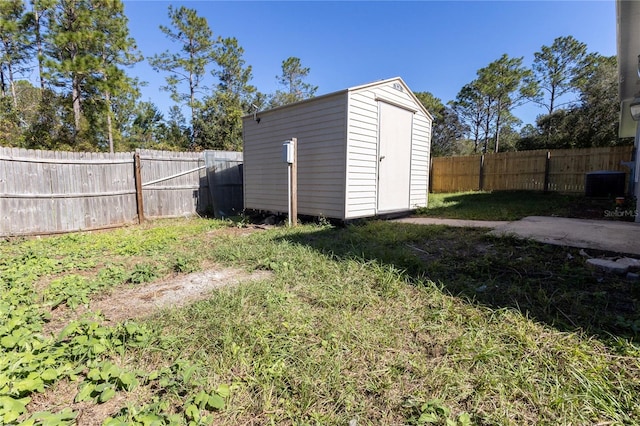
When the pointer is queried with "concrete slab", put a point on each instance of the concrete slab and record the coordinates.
(608, 265)
(619, 237)
(632, 264)
(615, 236)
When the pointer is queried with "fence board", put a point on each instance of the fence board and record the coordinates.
(515, 170)
(224, 171)
(567, 168)
(525, 170)
(182, 194)
(452, 174)
(50, 192)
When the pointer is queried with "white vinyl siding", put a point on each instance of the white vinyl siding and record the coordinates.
(420, 157)
(362, 155)
(362, 148)
(319, 127)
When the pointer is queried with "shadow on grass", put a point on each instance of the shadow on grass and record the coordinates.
(547, 283)
(514, 205)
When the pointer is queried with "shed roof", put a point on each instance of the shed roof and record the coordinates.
(352, 89)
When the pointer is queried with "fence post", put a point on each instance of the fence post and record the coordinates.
(430, 187)
(481, 178)
(138, 179)
(547, 163)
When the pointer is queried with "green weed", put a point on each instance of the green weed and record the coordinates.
(186, 264)
(381, 323)
(433, 412)
(143, 273)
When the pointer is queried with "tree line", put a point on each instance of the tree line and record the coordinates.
(86, 101)
(577, 91)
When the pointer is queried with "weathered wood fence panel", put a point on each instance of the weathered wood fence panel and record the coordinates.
(173, 183)
(224, 170)
(557, 170)
(45, 192)
(51, 191)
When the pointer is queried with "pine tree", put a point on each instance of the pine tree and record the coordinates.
(118, 49)
(38, 22)
(447, 130)
(557, 71)
(475, 110)
(292, 79)
(190, 64)
(14, 45)
(220, 121)
(87, 45)
(505, 84)
(71, 57)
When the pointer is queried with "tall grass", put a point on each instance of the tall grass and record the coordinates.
(382, 323)
(347, 330)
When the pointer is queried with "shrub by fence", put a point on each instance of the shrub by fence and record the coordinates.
(542, 170)
(51, 191)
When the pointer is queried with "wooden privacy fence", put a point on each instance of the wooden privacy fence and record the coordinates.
(225, 181)
(541, 170)
(51, 191)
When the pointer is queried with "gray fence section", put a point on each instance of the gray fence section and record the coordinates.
(45, 192)
(51, 191)
(173, 183)
(224, 171)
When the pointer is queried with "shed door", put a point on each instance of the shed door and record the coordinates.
(394, 157)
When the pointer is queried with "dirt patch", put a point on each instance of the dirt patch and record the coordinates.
(144, 299)
(126, 303)
(178, 291)
(62, 395)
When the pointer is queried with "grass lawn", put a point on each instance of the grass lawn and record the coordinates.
(382, 323)
(505, 205)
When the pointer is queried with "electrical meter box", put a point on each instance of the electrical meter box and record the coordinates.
(287, 152)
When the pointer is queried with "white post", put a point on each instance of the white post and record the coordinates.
(289, 157)
(289, 193)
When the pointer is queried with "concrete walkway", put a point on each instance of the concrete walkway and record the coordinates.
(619, 237)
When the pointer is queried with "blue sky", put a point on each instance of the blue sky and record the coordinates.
(433, 46)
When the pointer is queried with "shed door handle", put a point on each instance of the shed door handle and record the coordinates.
(382, 157)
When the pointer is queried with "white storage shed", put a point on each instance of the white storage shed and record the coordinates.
(361, 152)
